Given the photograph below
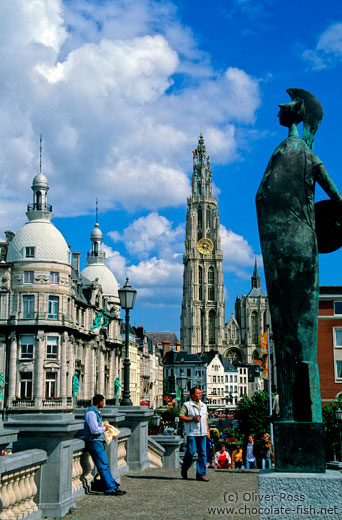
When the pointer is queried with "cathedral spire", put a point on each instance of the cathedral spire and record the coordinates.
(202, 176)
(39, 209)
(256, 280)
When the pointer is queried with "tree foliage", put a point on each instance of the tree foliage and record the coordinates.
(253, 415)
(332, 428)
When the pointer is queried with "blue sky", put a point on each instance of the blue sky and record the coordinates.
(121, 89)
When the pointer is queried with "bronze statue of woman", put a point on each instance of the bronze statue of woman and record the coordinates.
(286, 219)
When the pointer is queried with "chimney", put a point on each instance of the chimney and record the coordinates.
(76, 262)
(166, 347)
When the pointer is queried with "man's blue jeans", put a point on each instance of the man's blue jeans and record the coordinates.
(99, 456)
(266, 462)
(199, 443)
(251, 464)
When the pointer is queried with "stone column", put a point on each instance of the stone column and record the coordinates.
(87, 371)
(71, 368)
(63, 380)
(12, 377)
(39, 370)
(101, 371)
(110, 388)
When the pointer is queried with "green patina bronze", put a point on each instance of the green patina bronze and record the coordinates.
(287, 228)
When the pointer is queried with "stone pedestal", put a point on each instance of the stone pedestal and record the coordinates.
(53, 433)
(296, 496)
(299, 447)
(136, 418)
(171, 444)
(7, 436)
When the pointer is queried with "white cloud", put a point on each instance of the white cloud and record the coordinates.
(237, 253)
(328, 50)
(97, 82)
(151, 233)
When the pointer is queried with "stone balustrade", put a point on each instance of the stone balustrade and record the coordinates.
(155, 453)
(122, 450)
(21, 485)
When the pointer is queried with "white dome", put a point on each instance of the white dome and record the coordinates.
(96, 234)
(105, 278)
(40, 181)
(49, 244)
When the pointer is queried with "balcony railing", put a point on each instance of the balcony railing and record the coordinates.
(39, 207)
(23, 403)
(100, 254)
(42, 316)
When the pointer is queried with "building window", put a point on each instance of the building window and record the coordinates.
(200, 283)
(235, 388)
(29, 252)
(226, 379)
(28, 276)
(211, 284)
(26, 385)
(52, 347)
(53, 307)
(231, 378)
(26, 347)
(338, 354)
(211, 327)
(50, 384)
(189, 372)
(338, 307)
(214, 379)
(28, 306)
(208, 218)
(54, 277)
(254, 327)
(235, 379)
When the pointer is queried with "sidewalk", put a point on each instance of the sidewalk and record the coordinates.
(161, 494)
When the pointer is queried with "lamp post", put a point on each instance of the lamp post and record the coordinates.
(338, 415)
(181, 383)
(127, 297)
(156, 421)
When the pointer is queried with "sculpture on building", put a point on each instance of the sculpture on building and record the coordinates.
(75, 384)
(287, 228)
(2, 385)
(117, 387)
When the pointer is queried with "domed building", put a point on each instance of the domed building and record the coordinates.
(59, 328)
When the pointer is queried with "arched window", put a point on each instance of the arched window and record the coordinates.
(265, 320)
(202, 328)
(208, 218)
(200, 283)
(199, 189)
(255, 355)
(212, 316)
(199, 223)
(211, 284)
(254, 327)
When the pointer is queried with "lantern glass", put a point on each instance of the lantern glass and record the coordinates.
(181, 381)
(127, 296)
(156, 419)
(338, 414)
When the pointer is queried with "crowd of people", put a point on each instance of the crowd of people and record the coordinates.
(251, 456)
(194, 415)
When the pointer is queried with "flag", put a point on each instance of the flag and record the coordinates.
(178, 394)
(264, 373)
(264, 343)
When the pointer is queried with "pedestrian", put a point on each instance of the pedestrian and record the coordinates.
(194, 414)
(222, 458)
(266, 452)
(210, 451)
(95, 444)
(250, 453)
(237, 458)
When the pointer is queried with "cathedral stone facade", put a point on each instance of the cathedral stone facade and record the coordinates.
(203, 311)
(250, 321)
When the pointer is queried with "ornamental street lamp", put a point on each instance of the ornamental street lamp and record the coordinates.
(156, 421)
(127, 297)
(181, 383)
(338, 415)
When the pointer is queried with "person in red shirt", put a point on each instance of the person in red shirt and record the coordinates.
(222, 458)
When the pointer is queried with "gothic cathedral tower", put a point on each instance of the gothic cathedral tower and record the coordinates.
(202, 320)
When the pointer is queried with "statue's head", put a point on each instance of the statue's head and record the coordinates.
(291, 113)
(313, 112)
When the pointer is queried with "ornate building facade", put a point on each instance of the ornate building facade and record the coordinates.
(203, 310)
(250, 321)
(60, 338)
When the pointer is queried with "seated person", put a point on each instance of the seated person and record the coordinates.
(222, 458)
(237, 458)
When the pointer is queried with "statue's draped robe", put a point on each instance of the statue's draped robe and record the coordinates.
(286, 217)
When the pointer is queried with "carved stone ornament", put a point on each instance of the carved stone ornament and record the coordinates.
(25, 366)
(52, 364)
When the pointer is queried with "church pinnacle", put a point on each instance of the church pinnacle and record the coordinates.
(202, 320)
(256, 280)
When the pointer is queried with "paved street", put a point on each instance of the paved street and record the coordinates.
(161, 494)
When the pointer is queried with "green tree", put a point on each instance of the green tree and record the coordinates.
(332, 428)
(253, 415)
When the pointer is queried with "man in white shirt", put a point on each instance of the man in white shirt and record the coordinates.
(194, 414)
